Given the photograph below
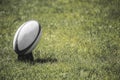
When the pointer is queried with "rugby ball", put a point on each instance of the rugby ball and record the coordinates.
(26, 37)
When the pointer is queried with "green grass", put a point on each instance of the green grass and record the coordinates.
(80, 39)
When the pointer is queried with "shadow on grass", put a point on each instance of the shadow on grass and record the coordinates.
(39, 60)
(45, 60)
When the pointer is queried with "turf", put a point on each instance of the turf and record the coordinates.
(80, 39)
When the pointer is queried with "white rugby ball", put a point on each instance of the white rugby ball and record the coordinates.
(27, 37)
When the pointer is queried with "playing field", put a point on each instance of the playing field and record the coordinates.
(80, 39)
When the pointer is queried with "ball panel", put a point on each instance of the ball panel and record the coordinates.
(35, 43)
(16, 34)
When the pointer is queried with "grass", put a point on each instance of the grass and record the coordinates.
(80, 39)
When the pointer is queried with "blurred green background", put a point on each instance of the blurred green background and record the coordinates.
(80, 39)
